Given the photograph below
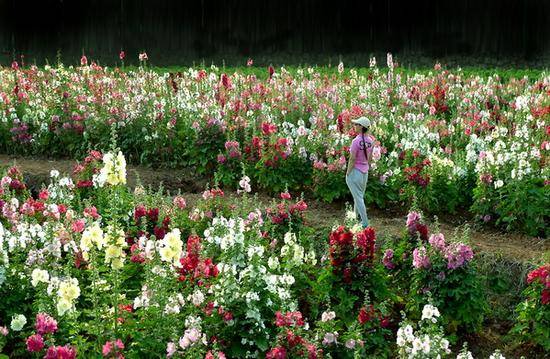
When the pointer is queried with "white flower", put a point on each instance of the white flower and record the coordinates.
(197, 297)
(326, 316)
(466, 355)
(18, 322)
(39, 276)
(54, 173)
(497, 355)
(273, 262)
(351, 215)
(499, 184)
(430, 312)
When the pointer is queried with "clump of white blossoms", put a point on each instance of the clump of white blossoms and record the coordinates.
(113, 171)
(429, 312)
(427, 341)
(18, 322)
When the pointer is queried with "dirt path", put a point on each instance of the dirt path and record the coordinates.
(513, 246)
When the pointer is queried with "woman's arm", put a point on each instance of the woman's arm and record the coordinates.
(351, 163)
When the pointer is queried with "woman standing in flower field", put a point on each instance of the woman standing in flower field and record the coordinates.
(357, 173)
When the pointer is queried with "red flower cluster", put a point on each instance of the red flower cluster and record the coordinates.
(367, 314)
(15, 181)
(193, 267)
(289, 319)
(283, 211)
(439, 102)
(276, 353)
(150, 217)
(83, 172)
(365, 241)
(294, 343)
(541, 275)
(414, 173)
(59, 352)
(347, 257)
(341, 246)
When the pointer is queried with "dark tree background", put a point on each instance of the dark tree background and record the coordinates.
(183, 31)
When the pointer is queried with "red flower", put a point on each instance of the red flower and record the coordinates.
(276, 353)
(35, 343)
(366, 314)
(285, 195)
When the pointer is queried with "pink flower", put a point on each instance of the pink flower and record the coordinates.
(143, 56)
(276, 353)
(78, 225)
(122, 55)
(91, 212)
(285, 195)
(437, 241)
(66, 352)
(45, 324)
(420, 258)
(107, 347)
(83, 60)
(43, 195)
(458, 255)
(412, 219)
(35, 343)
(179, 202)
(170, 349)
(221, 158)
(249, 62)
(4, 331)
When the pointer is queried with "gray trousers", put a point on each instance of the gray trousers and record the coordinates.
(357, 184)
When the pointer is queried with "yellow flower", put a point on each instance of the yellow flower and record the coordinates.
(63, 306)
(39, 276)
(92, 234)
(69, 290)
(112, 251)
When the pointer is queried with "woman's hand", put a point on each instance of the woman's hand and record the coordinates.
(351, 163)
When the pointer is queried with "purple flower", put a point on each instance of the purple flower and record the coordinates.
(387, 259)
(457, 255)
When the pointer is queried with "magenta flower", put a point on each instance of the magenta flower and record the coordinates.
(45, 324)
(35, 343)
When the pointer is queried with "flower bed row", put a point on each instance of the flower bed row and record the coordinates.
(444, 139)
(95, 269)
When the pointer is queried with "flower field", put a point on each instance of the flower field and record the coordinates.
(89, 268)
(446, 141)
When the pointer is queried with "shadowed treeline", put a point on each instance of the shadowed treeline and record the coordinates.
(176, 31)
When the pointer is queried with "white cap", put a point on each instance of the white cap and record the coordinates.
(363, 121)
